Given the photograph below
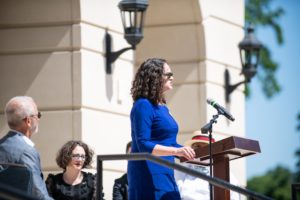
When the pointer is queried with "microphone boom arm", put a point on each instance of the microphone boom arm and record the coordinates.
(207, 128)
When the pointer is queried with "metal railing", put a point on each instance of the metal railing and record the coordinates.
(295, 190)
(145, 156)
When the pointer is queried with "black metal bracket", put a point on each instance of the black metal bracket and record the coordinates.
(230, 88)
(111, 57)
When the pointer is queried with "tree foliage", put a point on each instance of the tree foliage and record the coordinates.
(276, 183)
(260, 14)
(297, 154)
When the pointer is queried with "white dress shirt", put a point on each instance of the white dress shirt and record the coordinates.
(192, 188)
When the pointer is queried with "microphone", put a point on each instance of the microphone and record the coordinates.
(220, 109)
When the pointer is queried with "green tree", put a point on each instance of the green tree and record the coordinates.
(261, 15)
(297, 154)
(276, 183)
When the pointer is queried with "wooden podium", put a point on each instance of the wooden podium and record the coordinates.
(222, 152)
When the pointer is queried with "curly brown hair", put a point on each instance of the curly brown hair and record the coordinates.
(148, 81)
(64, 155)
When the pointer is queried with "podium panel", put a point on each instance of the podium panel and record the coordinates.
(223, 151)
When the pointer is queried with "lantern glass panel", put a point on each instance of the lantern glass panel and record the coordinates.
(249, 57)
(132, 21)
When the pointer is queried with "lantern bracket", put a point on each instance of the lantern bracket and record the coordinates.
(249, 53)
(111, 57)
(230, 88)
(133, 15)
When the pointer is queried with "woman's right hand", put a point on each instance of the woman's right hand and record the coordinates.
(186, 152)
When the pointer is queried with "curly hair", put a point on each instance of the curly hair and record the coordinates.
(64, 155)
(148, 81)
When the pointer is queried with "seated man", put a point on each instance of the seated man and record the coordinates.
(16, 146)
(121, 184)
(191, 187)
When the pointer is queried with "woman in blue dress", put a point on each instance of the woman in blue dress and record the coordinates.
(153, 130)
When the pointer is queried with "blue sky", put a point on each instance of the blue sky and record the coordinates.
(273, 121)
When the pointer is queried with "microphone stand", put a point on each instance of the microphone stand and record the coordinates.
(207, 128)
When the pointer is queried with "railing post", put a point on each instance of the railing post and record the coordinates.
(295, 188)
(99, 188)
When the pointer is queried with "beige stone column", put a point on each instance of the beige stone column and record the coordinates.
(54, 52)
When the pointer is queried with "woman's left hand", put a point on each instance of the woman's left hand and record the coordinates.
(186, 152)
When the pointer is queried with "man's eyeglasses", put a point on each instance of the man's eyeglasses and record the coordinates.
(78, 156)
(168, 75)
(39, 115)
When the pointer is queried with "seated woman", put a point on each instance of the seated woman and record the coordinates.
(73, 183)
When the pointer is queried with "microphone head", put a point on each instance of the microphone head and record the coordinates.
(210, 101)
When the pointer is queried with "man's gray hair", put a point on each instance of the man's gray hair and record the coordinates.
(17, 109)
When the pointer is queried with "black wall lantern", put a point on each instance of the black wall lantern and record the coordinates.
(133, 16)
(249, 52)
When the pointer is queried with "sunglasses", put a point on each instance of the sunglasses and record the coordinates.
(169, 75)
(38, 115)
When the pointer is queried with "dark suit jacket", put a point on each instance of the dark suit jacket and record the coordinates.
(120, 189)
(13, 149)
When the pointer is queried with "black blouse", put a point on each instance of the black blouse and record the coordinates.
(60, 190)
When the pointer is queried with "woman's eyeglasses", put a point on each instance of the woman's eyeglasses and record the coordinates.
(168, 75)
(78, 156)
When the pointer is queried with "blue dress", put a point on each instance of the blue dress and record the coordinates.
(151, 125)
